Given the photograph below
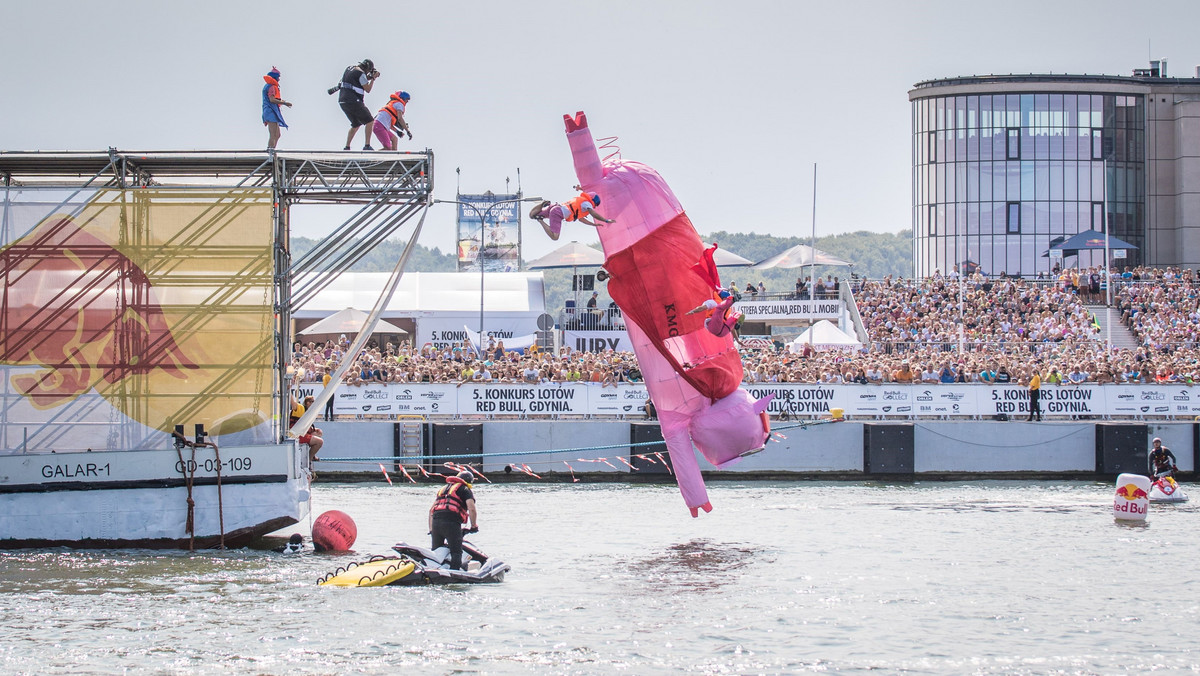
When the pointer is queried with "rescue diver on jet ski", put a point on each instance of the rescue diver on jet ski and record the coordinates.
(1162, 460)
(454, 506)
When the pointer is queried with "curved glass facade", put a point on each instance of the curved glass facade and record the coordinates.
(998, 177)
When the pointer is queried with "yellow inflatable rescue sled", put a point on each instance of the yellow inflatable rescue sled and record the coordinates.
(376, 572)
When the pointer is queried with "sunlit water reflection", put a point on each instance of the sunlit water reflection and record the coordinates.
(942, 578)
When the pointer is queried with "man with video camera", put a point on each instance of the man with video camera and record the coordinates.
(356, 82)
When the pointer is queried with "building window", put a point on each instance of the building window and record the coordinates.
(932, 147)
(1014, 143)
(1098, 216)
(1097, 144)
(932, 219)
(1013, 224)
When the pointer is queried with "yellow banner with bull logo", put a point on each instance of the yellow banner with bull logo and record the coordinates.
(134, 310)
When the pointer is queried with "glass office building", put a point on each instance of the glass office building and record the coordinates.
(1000, 175)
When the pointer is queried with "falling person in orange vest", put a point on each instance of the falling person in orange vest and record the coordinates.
(551, 216)
(454, 506)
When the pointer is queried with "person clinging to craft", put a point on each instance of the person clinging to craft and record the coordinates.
(454, 506)
(721, 317)
(313, 437)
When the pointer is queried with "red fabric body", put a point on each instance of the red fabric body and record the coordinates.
(654, 285)
(707, 269)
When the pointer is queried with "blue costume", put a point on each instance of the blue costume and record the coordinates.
(270, 111)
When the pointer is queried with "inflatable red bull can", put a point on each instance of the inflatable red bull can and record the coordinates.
(1132, 499)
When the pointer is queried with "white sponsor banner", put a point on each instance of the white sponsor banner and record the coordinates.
(363, 400)
(518, 400)
(943, 399)
(1178, 401)
(597, 341)
(889, 400)
(510, 343)
(414, 399)
(1011, 400)
(1071, 400)
(388, 399)
(447, 330)
(758, 310)
(627, 400)
(797, 399)
(1124, 400)
(1055, 400)
(807, 400)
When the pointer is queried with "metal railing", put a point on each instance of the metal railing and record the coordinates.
(593, 319)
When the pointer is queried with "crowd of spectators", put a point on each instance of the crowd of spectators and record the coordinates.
(1010, 327)
(459, 364)
(993, 311)
(1060, 363)
(1163, 314)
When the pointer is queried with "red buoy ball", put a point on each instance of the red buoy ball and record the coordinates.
(334, 531)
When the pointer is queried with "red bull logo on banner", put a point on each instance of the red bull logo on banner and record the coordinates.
(83, 311)
(153, 302)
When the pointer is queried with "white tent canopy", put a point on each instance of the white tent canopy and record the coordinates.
(799, 256)
(570, 255)
(725, 258)
(349, 321)
(824, 334)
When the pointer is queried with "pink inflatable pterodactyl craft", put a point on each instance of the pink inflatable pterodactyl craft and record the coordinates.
(691, 374)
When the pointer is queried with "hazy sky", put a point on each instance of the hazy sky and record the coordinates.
(732, 102)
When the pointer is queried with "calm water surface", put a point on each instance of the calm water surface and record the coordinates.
(928, 578)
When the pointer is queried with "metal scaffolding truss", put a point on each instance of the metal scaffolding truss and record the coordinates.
(331, 177)
(387, 188)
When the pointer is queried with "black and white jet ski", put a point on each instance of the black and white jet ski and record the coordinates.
(433, 566)
(417, 565)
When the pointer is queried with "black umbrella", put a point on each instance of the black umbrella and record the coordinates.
(1088, 240)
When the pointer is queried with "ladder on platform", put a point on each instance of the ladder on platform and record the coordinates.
(412, 441)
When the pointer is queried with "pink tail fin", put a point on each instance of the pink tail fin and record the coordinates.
(575, 123)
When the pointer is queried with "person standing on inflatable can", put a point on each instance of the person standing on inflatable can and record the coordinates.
(389, 121)
(272, 117)
(357, 81)
(577, 209)
(454, 506)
